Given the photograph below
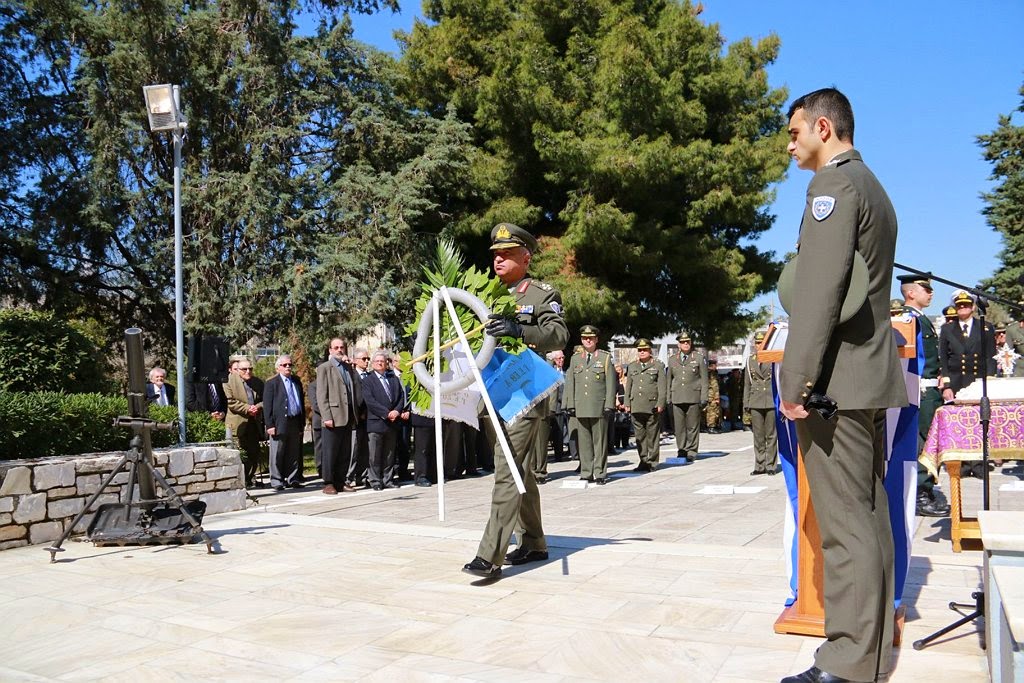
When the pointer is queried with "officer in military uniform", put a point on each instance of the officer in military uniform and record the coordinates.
(896, 308)
(589, 398)
(961, 357)
(646, 391)
(757, 398)
(917, 295)
(688, 393)
(848, 227)
(949, 313)
(713, 410)
(1015, 340)
(538, 322)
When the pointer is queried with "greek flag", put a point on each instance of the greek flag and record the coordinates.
(900, 475)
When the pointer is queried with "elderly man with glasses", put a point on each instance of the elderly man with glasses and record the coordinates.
(356, 476)
(244, 394)
(285, 416)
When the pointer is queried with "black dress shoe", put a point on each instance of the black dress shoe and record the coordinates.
(377, 487)
(814, 675)
(927, 506)
(579, 469)
(297, 485)
(756, 472)
(541, 478)
(692, 457)
(642, 467)
(771, 472)
(279, 488)
(522, 556)
(600, 481)
(423, 481)
(481, 567)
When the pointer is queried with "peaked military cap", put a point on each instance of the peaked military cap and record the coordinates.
(915, 279)
(683, 337)
(758, 337)
(962, 297)
(895, 306)
(589, 331)
(508, 235)
(949, 312)
(643, 344)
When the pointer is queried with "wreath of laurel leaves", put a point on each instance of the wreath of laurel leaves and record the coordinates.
(449, 271)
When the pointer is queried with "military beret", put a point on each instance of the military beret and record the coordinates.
(589, 331)
(960, 297)
(895, 306)
(643, 344)
(856, 292)
(508, 235)
(915, 279)
(683, 337)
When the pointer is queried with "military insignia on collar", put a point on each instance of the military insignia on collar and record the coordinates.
(821, 207)
(556, 307)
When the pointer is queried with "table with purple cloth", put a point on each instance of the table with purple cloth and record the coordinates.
(955, 435)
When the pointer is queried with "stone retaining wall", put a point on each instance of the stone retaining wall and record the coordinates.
(39, 497)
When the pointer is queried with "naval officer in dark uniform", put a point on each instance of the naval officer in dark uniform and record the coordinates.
(854, 363)
(538, 322)
(961, 357)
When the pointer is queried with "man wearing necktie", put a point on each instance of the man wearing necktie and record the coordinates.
(382, 393)
(158, 391)
(244, 396)
(285, 413)
(338, 392)
(646, 394)
(688, 394)
(961, 358)
(206, 398)
(589, 398)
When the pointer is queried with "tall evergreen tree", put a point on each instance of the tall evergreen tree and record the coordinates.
(623, 134)
(305, 183)
(1004, 148)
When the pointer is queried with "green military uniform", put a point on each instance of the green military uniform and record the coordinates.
(539, 452)
(758, 400)
(688, 393)
(1015, 340)
(855, 364)
(590, 400)
(713, 410)
(646, 392)
(539, 313)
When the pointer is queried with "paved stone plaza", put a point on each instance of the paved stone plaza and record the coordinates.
(648, 580)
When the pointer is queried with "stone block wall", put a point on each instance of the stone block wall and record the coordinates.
(39, 498)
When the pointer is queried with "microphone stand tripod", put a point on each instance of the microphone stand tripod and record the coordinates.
(985, 417)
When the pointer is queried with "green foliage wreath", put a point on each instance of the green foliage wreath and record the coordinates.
(449, 271)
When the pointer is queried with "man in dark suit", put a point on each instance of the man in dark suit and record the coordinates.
(338, 393)
(158, 391)
(206, 398)
(285, 416)
(356, 476)
(854, 363)
(384, 398)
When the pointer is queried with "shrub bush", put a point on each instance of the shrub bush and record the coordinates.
(39, 352)
(36, 424)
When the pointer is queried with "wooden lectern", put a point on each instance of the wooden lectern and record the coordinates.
(806, 616)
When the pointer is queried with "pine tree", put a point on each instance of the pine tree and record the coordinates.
(1004, 148)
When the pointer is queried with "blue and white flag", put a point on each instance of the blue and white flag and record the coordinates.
(900, 476)
(516, 383)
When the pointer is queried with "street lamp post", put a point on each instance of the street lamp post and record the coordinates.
(163, 106)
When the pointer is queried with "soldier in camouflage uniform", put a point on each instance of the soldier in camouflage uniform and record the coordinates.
(538, 322)
(646, 389)
(713, 410)
(688, 393)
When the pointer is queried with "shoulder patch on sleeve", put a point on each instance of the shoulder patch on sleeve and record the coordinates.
(556, 307)
(822, 206)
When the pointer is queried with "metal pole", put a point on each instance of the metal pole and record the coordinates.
(179, 303)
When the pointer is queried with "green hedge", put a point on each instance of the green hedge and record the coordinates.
(40, 351)
(43, 423)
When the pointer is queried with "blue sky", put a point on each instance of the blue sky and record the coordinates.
(925, 78)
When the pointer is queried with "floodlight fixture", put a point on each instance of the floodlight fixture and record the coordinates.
(162, 107)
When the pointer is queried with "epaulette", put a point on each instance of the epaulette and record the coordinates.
(543, 285)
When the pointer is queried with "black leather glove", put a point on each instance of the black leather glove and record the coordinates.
(571, 412)
(823, 404)
(608, 412)
(703, 405)
(500, 326)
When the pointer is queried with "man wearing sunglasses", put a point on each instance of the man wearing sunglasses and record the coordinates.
(244, 396)
(285, 412)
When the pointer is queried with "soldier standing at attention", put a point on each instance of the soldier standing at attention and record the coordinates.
(713, 410)
(850, 370)
(646, 390)
(589, 398)
(917, 295)
(688, 393)
(538, 322)
(757, 399)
